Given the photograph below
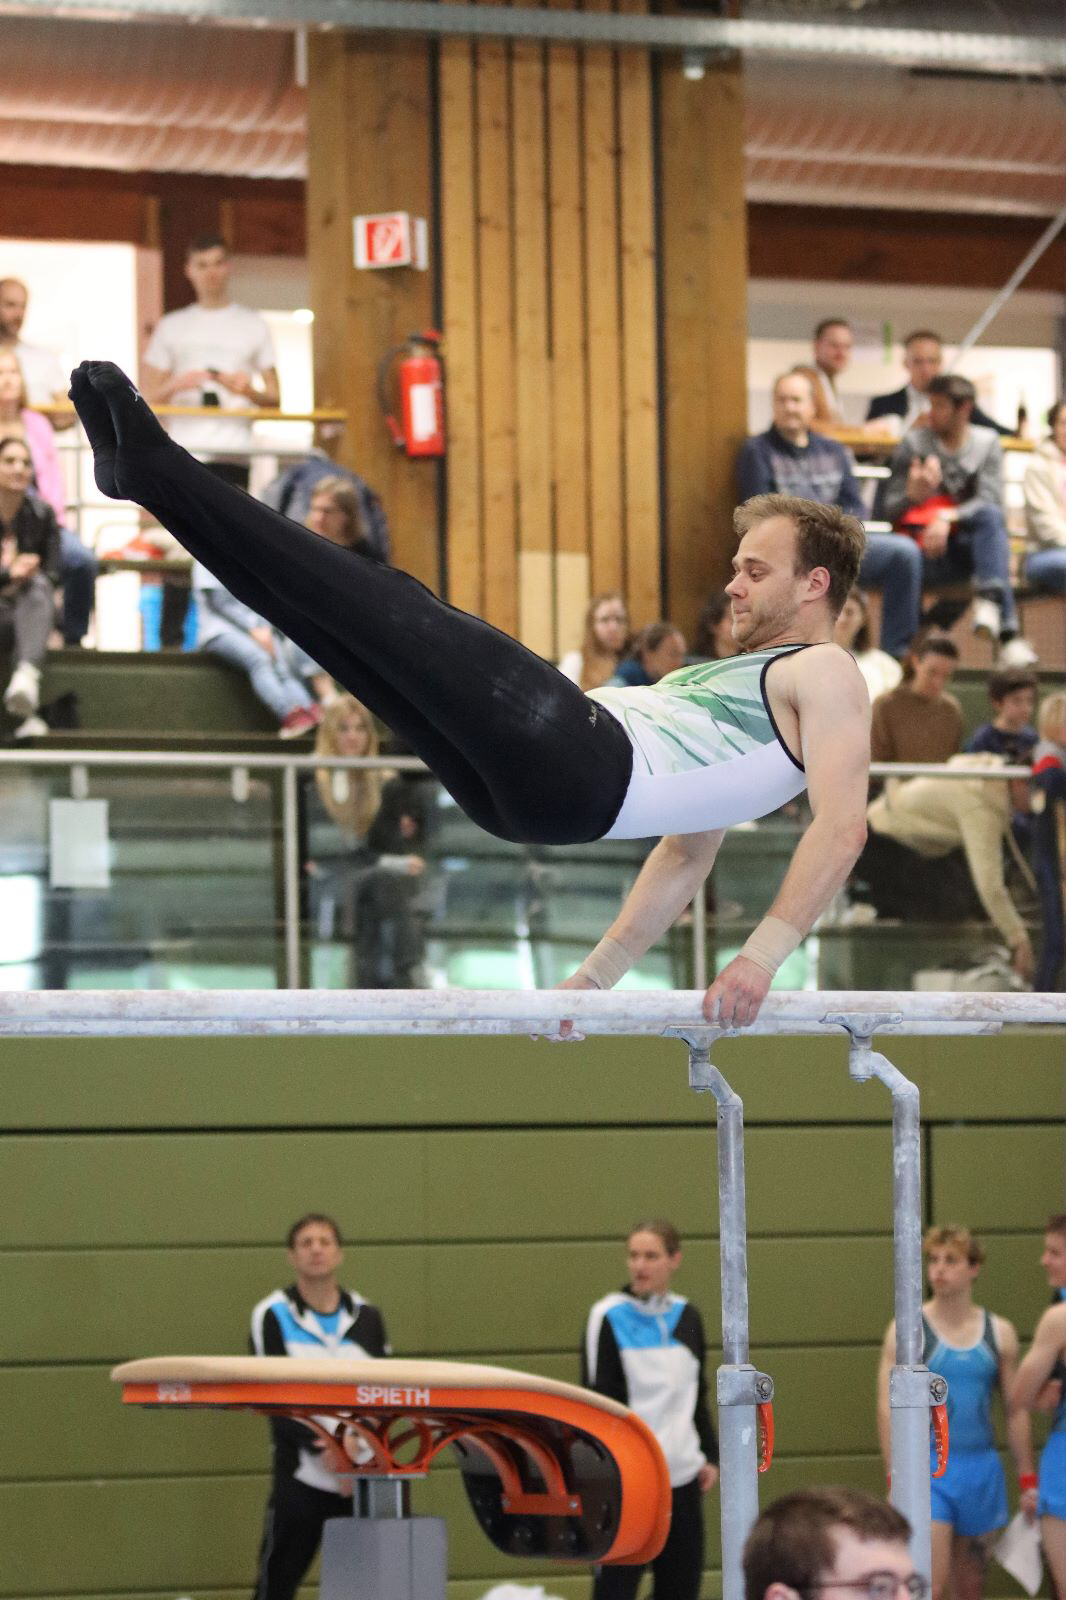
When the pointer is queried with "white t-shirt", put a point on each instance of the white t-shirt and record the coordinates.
(231, 338)
(42, 373)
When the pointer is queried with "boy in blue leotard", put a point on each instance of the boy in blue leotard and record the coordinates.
(977, 1353)
(1039, 1386)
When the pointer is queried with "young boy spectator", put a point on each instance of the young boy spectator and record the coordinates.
(923, 357)
(1010, 734)
(830, 1541)
(1047, 806)
(919, 720)
(790, 458)
(978, 1354)
(657, 650)
(1039, 1386)
(946, 492)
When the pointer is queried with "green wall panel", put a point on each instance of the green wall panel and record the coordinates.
(999, 1178)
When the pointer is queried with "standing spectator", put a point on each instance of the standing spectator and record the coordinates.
(1040, 1386)
(657, 650)
(881, 672)
(714, 630)
(1045, 507)
(919, 720)
(604, 642)
(832, 346)
(78, 567)
(833, 1541)
(644, 1347)
(46, 382)
(29, 565)
(923, 357)
(946, 491)
(1047, 827)
(215, 354)
(790, 459)
(314, 1319)
(978, 1354)
(1010, 734)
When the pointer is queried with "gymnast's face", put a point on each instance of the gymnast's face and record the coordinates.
(1053, 1259)
(766, 591)
(651, 1266)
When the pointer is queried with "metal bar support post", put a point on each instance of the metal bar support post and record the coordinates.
(290, 857)
(740, 1387)
(913, 1389)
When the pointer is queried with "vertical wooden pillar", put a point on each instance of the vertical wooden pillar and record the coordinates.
(704, 323)
(369, 116)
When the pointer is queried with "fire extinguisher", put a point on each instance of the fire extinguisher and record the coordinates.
(421, 394)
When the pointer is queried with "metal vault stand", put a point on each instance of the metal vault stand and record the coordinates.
(381, 1552)
(742, 1389)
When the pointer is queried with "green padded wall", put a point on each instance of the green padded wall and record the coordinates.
(485, 1187)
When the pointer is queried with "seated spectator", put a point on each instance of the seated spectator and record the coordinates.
(366, 853)
(29, 565)
(78, 566)
(714, 630)
(657, 650)
(1045, 508)
(229, 629)
(919, 720)
(923, 357)
(1048, 838)
(831, 347)
(605, 641)
(830, 1539)
(290, 493)
(1009, 734)
(790, 459)
(946, 492)
(851, 630)
(46, 382)
(931, 817)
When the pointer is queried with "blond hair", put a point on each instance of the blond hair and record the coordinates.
(597, 664)
(24, 398)
(353, 799)
(825, 537)
(951, 1235)
(1052, 714)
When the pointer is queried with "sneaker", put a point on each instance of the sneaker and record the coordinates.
(986, 617)
(32, 728)
(1016, 652)
(304, 719)
(22, 695)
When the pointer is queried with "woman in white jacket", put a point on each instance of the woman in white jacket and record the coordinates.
(1045, 507)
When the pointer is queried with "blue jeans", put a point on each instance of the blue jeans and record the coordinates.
(978, 548)
(893, 563)
(278, 687)
(1046, 569)
(78, 569)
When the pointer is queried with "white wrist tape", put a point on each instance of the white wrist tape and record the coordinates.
(606, 964)
(771, 943)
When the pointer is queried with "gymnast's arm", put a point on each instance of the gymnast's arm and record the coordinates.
(833, 710)
(1049, 1341)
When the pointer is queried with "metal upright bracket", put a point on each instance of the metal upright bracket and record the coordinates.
(702, 1075)
(744, 1386)
(861, 1026)
(916, 1388)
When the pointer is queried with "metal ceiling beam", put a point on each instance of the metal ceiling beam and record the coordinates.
(828, 41)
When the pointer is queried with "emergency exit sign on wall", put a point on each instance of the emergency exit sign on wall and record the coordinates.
(391, 239)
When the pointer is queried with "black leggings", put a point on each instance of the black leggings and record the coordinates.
(677, 1569)
(525, 754)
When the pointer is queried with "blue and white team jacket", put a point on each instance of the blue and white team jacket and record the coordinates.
(649, 1355)
(283, 1324)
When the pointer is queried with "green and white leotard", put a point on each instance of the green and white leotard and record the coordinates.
(706, 750)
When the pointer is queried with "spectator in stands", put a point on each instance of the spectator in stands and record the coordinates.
(239, 636)
(931, 817)
(657, 650)
(366, 853)
(791, 459)
(215, 354)
(946, 491)
(919, 720)
(336, 510)
(78, 566)
(923, 357)
(29, 565)
(1048, 836)
(881, 671)
(605, 641)
(1045, 507)
(833, 1541)
(290, 493)
(714, 630)
(46, 382)
(1010, 734)
(832, 346)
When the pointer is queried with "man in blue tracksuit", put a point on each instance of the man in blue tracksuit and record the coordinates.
(313, 1319)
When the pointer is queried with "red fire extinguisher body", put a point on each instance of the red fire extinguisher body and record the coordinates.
(423, 405)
